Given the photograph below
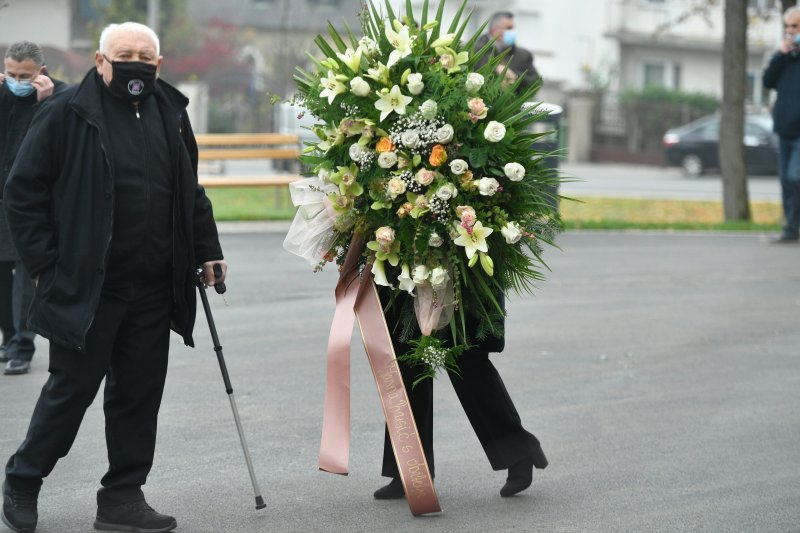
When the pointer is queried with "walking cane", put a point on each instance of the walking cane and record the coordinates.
(220, 288)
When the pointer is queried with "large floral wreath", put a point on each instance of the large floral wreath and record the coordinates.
(430, 159)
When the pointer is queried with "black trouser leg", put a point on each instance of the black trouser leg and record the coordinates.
(74, 380)
(491, 412)
(21, 345)
(133, 391)
(6, 284)
(421, 399)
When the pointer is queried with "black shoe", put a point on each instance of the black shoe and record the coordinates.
(17, 366)
(135, 516)
(20, 512)
(3, 356)
(784, 239)
(393, 491)
(520, 474)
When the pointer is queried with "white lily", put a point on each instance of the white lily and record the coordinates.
(475, 240)
(351, 58)
(379, 273)
(400, 41)
(333, 87)
(406, 283)
(392, 101)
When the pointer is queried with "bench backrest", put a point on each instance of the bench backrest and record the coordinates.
(215, 146)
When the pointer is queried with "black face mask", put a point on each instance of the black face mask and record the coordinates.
(132, 81)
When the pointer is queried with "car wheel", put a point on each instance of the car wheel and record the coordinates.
(692, 165)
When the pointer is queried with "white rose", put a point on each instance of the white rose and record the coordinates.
(420, 274)
(435, 240)
(458, 166)
(395, 187)
(387, 159)
(356, 151)
(429, 109)
(511, 232)
(439, 277)
(415, 84)
(359, 86)
(385, 236)
(410, 138)
(447, 191)
(514, 171)
(425, 177)
(494, 132)
(474, 82)
(444, 134)
(488, 186)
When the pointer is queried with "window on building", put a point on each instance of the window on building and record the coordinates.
(654, 75)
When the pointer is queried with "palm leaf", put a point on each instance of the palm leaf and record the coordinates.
(439, 16)
(457, 17)
(337, 39)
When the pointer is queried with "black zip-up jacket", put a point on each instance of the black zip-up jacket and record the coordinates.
(783, 74)
(59, 201)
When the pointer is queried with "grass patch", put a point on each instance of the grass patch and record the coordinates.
(274, 203)
(627, 213)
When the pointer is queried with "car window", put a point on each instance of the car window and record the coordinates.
(709, 132)
(753, 129)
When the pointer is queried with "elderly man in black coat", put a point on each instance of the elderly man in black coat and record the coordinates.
(108, 217)
(519, 60)
(24, 85)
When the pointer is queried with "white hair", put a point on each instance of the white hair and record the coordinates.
(135, 26)
(790, 11)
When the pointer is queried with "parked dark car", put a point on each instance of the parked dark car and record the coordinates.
(695, 146)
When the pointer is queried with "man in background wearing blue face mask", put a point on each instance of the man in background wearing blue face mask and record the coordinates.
(23, 86)
(105, 210)
(519, 60)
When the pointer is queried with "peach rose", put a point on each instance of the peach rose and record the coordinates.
(385, 144)
(438, 156)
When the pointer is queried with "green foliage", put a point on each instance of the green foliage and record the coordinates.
(654, 110)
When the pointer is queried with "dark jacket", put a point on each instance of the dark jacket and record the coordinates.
(783, 75)
(518, 59)
(15, 117)
(59, 201)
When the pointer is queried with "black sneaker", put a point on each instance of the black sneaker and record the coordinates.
(16, 367)
(783, 238)
(3, 356)
(20, 512)
(135, 516)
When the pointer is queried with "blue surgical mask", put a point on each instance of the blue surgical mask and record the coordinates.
(509, 37)
(20, 88)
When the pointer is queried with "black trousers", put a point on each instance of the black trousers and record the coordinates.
(128, 345)
(6, 284)
(21, 345)
(488, 407)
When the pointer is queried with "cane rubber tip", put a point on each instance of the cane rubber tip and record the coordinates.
(260, 502)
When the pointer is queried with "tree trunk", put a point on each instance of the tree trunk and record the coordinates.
(731, 129)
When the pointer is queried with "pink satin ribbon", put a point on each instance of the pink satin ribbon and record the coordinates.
(362, 299)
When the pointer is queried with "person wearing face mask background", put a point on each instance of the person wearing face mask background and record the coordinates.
(24, 85)
(519, 60)
(783, 75)
(107, 215)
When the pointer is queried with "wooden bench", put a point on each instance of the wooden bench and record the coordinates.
(242, 146)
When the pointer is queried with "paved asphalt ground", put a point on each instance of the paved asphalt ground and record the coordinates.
(660, 371)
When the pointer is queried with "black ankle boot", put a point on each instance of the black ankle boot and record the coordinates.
(520, 474)
(133, 516)
(20, 512)
(392, 491)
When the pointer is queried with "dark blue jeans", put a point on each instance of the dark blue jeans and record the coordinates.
(790, 184)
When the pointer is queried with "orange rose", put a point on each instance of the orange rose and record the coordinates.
(438, 155)
(385, 144)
